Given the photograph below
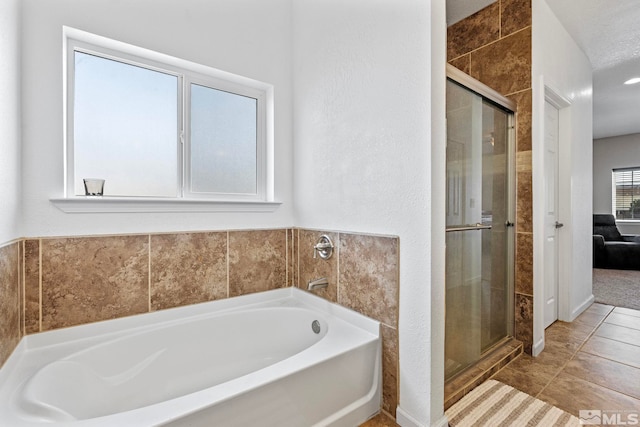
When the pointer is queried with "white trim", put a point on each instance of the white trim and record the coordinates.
(480, 88)
(260, 96)
(553, 96)
(582, 307)
(622, 174)
(142, 204)
(565, 210)
(543, 91)
(537, 347)
(442, 422)
(72, 33)
(405, 420)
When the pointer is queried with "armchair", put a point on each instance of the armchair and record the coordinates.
(612, 249)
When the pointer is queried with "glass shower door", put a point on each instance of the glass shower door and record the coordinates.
(478, 266)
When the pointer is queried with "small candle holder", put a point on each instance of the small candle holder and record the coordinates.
(93, 187)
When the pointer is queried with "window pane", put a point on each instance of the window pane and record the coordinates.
(223, 142)
(125, 127)
(626, 197)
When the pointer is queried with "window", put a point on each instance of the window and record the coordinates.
(223, 141)
(626, 193)
(156, 126)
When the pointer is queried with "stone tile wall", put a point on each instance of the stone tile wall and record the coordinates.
(363, 275)
(50, 283)
(11, 329)
(494, 47)
(77, 280)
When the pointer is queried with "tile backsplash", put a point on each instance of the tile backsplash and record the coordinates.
(50, 283)
(363, 275)
(78, 280)
(10, 299)
(86, 279)
(187, 268)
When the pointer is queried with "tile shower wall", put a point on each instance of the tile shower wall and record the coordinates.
(76, 280)
(494, 47)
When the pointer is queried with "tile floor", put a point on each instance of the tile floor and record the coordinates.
(380, 420)
(590, 363)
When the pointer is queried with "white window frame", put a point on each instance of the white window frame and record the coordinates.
(187, 73)
(226, 86)
(614, 209)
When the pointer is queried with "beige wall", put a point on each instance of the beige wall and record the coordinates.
(608, 154)
(494, 47)
(50, 283)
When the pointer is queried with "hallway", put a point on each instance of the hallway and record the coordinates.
(592, 363)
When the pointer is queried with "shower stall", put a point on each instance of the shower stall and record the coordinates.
(479, 221)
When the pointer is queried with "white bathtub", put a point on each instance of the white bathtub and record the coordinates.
(253, 360)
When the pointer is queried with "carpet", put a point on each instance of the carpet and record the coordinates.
(617, 287)
(495, 404)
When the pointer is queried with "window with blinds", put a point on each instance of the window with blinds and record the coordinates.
(626, 193)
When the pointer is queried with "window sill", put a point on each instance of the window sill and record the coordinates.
(142, 204)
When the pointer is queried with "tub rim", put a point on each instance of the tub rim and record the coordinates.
(82, 336)
(103, 328)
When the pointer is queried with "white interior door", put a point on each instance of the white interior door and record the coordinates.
(551, 224)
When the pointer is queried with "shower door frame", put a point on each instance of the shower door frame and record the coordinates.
(501, 101)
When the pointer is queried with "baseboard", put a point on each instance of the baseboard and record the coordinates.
(406, 420)
(442, 422)
(582, 307)
(537, 347)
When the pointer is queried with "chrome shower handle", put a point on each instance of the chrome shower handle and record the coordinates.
(324, 247)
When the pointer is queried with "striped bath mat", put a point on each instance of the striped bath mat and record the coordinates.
(495, 404)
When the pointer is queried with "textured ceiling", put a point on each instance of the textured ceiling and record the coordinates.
(608, 31)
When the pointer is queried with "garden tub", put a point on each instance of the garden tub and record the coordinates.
(276, 358)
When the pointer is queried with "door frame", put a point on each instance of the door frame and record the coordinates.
(550, 317)
(546, 92)
(564, 110)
